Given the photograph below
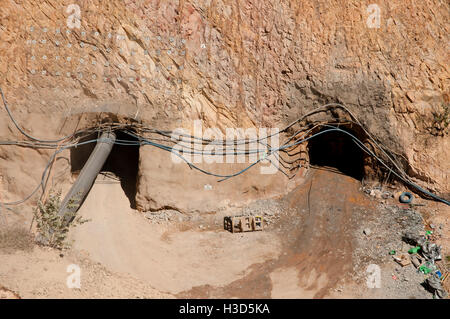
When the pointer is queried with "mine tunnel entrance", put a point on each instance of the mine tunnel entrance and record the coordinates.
(337, 150)
(122, 162)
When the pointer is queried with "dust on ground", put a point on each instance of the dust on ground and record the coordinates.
(317, 243)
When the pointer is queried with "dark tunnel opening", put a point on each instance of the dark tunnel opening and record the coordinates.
(337, 150)
(122, 162)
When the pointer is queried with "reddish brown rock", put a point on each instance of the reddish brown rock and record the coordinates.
(230, 64)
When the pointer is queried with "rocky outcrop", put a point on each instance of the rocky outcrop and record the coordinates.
(230, 64)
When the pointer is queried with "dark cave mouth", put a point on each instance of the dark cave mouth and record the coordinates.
(337, 150)
(122, 162)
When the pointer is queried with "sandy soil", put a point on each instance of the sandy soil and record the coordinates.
(312, 247)
(169, 259)
(317, 252)
(43, 273)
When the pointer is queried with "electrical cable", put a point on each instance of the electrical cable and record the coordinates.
(40, 143)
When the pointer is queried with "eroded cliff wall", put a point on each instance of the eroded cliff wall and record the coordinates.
(229, 63)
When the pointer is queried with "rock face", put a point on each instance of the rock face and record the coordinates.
(243, 63)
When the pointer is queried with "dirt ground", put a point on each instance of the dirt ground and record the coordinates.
(317, 243)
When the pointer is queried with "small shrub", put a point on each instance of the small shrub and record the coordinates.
(52, 227)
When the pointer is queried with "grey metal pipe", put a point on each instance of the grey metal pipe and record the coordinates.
(86, 179)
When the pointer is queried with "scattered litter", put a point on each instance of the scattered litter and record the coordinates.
(431, 251)
(424, 269)
(406, 198)
(406, 229)
(414, 250)
(416, 261)
(403, 260)
(377, 192)
(435, 284)
(427, 267)
(444, 277)
(414, 239)
(386, 195)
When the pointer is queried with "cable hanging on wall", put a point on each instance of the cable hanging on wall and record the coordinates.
(66, 142)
